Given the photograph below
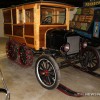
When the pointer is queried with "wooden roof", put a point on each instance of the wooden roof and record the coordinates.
(9, 3)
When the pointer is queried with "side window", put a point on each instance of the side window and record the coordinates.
(29, 17)
(61, 16)
(53, 15)
(20, 16)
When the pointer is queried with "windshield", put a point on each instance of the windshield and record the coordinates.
(52, 15)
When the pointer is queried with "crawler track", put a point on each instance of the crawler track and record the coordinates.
(19, 53)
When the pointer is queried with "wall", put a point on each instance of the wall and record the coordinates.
(1, 24)
(72, 13)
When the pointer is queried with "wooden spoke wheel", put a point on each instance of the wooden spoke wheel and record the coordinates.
(90, 59)
(47, 72)
(25, 56)
(11, 50)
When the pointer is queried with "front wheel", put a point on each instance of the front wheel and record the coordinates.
(47, 72)
(90, 59)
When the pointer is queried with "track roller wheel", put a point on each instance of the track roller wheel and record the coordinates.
(47, 72)
(11, 50)
(25, 56)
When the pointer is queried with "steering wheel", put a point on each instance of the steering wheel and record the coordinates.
(47, 20)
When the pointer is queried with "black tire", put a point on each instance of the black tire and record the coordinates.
(11, 50)
(47, 72)
(25, 56)
(90, 59)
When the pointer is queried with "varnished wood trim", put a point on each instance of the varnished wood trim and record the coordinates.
(29, 36)
(28, 6)
(7, 35)
(18, 24)
(29, 23)
(18, 39)
(17, 36)
(19, 7)
(36, 26)
(56, 5)
(52, 25)
(30, 45)
(8, 23)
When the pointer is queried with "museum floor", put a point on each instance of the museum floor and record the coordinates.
(23, 85)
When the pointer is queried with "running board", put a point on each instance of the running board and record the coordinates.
(69, 92)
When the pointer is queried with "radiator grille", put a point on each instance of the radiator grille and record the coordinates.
(74, 44)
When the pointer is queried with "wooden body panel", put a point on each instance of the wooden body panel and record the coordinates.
(18, 39)
(29, 29)
(8, 29)
(7, 16)
(44, 29)
(18, 30)
(29, 40)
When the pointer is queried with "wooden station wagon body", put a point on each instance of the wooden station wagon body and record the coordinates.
(23, 23)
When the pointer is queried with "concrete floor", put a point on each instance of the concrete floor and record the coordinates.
(23, 84)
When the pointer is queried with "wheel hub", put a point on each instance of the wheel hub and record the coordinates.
(45, 72)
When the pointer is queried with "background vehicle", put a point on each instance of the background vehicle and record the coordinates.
(86, 23)
(43, 28)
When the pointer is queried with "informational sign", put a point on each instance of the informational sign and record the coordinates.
(92, 3)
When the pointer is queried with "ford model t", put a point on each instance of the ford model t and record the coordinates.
(43, 28)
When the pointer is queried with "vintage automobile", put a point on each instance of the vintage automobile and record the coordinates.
(42, 28)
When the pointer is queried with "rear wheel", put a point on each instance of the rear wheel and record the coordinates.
(47, 72)
(25, 56)
(90, 59)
